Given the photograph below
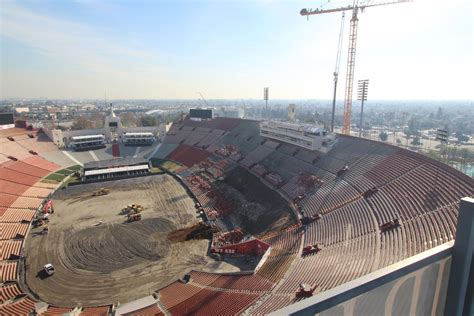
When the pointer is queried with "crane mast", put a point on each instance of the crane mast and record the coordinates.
(346, 127)
(336, 71)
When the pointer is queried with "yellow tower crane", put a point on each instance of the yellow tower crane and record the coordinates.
(355, 7)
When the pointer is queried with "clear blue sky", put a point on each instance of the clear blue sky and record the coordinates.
(230, 49)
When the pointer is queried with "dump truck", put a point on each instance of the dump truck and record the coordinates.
(134, 217)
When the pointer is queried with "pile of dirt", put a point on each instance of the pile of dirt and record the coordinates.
(198, 231)
(112, 247)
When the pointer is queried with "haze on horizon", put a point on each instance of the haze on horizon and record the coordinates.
(230, 50)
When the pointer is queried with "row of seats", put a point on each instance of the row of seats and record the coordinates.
(350, 221)
(333, 265)
(330, 196)
(284, 249)
(210, 138)
(19, 201)
(209, 302)
(188, 155)
(252, 282)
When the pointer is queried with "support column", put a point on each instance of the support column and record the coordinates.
(458, 298)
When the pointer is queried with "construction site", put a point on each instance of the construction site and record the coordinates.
(100, 252)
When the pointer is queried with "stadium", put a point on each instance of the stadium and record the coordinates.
(235, 217)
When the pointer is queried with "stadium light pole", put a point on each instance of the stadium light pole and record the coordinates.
(362, 96)
(265, 97)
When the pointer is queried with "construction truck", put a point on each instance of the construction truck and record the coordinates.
(101, 191)
(132, 209)
(134, 217)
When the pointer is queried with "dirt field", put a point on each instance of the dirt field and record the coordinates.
(258, 208)
(115, 261)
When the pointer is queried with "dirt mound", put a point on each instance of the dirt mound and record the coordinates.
(112, 247)
(197, 231)
(257, 208)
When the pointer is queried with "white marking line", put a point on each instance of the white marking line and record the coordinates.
(72, 158)
(155, 150)
(93, 155)
(136, 152)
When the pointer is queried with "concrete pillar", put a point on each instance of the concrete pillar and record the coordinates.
(458, 298)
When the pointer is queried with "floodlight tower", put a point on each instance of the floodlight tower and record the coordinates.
(265, 97)
(355, 7)
(362, 96)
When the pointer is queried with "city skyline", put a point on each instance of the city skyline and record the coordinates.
(230, 50)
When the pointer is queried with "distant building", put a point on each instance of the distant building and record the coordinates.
(231, 112)
(22, 110)
(291, 112)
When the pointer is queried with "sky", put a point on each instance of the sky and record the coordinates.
(173, 49)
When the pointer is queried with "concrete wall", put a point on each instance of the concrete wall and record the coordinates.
(422, 292)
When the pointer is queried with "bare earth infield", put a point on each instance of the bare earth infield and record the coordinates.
(115, 261)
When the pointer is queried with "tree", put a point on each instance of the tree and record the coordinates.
(416, 141)
(98, 119)
(383, 136)
(129, 119)
(149, 120)
(81, 122)
(439, 114)
(461, 137)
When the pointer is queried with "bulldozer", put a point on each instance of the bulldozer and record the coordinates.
(101, 191)
(134, 217)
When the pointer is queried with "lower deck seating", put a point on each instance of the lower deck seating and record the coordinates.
(271, 303)
(188, 155)
(176, 293)
(96, 311)
(9, 291)
(13, 230)
(12, 215)
(284, 248)
(10, 249)
(208, 302)
(8, 270)
(149, 310)
(21, 306)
